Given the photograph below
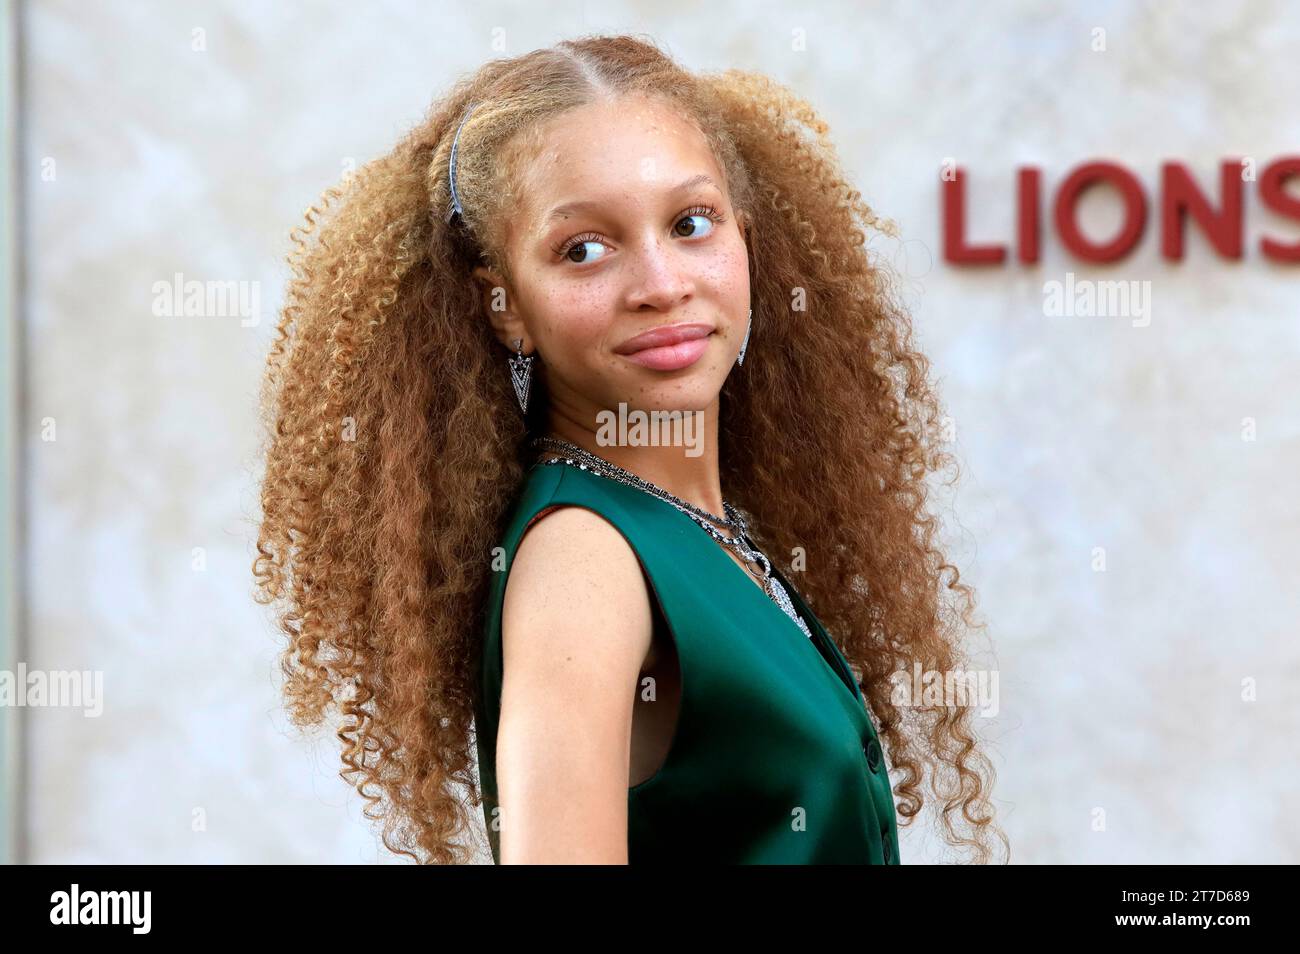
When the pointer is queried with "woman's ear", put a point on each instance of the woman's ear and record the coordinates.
(498, 307)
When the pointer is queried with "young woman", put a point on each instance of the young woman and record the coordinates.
(482, 568)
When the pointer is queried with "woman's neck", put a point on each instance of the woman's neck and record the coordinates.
(689, 472)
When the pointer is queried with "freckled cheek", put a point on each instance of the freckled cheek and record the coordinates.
(729, 275)
(739, 274)
(575, 321)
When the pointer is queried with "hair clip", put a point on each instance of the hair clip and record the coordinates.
(456, 208)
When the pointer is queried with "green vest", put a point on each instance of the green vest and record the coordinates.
(774, 759)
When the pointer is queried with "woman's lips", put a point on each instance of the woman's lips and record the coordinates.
(671, 357)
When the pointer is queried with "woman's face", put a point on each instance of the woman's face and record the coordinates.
(624, 227)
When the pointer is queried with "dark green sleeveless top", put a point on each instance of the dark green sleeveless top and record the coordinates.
(774, 759)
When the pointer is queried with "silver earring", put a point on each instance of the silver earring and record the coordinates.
(521, 373)
(740, 358)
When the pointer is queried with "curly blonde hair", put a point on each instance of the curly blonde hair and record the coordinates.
(394, 447)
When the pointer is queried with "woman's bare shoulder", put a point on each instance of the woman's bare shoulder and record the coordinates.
(576, 628)
(575, 571)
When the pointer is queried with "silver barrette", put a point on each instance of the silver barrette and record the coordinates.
(456, 208)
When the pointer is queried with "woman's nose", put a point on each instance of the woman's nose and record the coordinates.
(661, 276)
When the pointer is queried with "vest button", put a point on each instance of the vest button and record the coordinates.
(889, 850)
(873, 755)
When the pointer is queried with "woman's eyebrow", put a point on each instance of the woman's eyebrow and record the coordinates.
(585, 205)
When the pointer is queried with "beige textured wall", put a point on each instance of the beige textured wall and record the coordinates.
(1121, 690)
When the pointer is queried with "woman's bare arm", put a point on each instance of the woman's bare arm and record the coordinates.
(576, 629)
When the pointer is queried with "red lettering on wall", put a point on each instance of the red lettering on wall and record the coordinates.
(1180, 196)
(1027, 215)
(1272, 192)
(1135, 211)
(955, 248)
(1221, 220)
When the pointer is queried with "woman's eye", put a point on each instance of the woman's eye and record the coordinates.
(693, 230)
(694, 223)
(580, 247)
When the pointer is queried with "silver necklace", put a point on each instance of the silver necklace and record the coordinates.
(734, 520)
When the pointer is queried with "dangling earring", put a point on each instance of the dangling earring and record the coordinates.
(521, 373)
(740, 358)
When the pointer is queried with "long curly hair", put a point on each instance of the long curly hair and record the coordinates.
(394, 447)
